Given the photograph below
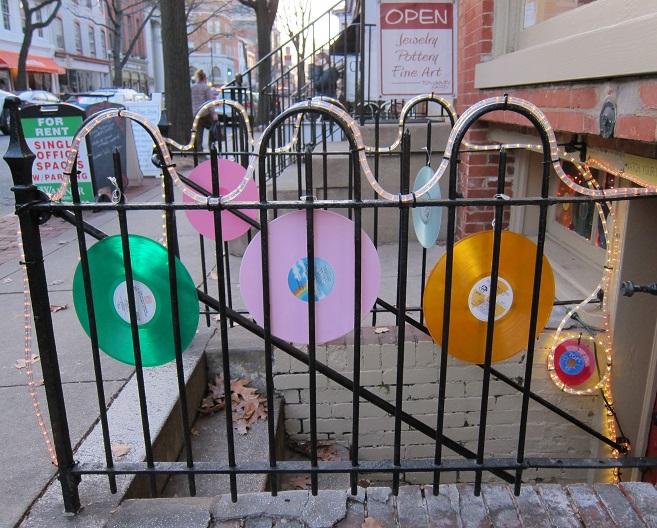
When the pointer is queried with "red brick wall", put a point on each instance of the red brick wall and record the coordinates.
(571, 108)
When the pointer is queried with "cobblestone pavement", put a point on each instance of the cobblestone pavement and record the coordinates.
(55, 227)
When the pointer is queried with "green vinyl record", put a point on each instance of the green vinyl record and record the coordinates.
(152, 299)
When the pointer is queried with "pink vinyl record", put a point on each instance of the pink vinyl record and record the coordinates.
(334, 277)
(231, 175)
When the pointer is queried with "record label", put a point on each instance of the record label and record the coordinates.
(479, 298)
(574, 362)
(152, 295)
(426, 219)
(335, 270)
(297, 279)
(470, 295)
(144, 302)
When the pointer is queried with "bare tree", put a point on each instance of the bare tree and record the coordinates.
(265, 11)
(35, 19)
(294, 17)
(118, 12)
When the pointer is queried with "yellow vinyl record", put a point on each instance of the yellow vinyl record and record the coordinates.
(471, 279)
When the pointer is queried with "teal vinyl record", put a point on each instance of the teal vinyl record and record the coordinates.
(152, 299)
(426, 220)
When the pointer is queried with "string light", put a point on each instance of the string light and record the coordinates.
(342, 117)
(27, 329)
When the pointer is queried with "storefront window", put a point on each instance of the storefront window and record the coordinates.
(537, 11)
(583, 218)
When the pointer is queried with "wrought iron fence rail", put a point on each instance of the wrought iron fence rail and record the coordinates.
(30, 208)
(366, 466)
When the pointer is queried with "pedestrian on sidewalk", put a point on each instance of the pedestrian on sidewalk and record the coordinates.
(201, 94)
(323, 76)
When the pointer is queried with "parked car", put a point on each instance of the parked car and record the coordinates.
(243, 96)
(27, 97)
(113, 95)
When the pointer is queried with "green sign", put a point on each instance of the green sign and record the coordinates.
(50, 138)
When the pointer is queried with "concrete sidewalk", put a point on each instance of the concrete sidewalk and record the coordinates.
(27, 468)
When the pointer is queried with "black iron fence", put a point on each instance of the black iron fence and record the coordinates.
(266, 315)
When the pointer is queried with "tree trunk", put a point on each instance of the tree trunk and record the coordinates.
(21, 78)
(264, 70)
(178, 95)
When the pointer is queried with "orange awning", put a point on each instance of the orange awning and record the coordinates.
(35, 63)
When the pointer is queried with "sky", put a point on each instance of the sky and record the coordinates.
(317, 8)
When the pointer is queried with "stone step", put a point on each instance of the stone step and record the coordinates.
(629, 504)
(247, 361)
(125, 428)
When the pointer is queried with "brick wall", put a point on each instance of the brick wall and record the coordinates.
(571, 108)
(548, 435)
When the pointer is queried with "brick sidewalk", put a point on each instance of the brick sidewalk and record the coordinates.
(55, 227)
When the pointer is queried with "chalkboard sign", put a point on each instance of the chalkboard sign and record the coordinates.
(103, 139)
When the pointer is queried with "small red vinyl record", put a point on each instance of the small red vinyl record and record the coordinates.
(574, 362)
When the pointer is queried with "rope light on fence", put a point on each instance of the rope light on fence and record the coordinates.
(336, 112)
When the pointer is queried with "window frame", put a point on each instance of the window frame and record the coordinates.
(6, 15)
(91, 34)
(77, 33)
(610, 39)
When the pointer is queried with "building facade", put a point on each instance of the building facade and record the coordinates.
(81, 46)
(42, 70)
(587, 65)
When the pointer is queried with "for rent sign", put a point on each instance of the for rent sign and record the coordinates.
(50, 137)
(417, 48)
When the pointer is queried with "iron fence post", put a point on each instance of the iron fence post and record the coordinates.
(20, 158)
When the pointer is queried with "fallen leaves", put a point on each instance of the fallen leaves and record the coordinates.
(56, 282)
(248, 407)
(119, 449)
(56, 307)
(325, 451)
(23, 363)
(371, 522)
(300, 483)
(381, 330)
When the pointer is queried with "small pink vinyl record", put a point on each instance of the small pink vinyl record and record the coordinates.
(231, 175)
(288, 276)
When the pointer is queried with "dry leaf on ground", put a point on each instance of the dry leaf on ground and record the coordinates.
(327, 453)
(300, 483)
(371, 522)
(22, 363)
(238, 388)
(247, 406)
(381, 330)
(119, 449)
(194, 431)
(56, 308)
(55, 282)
